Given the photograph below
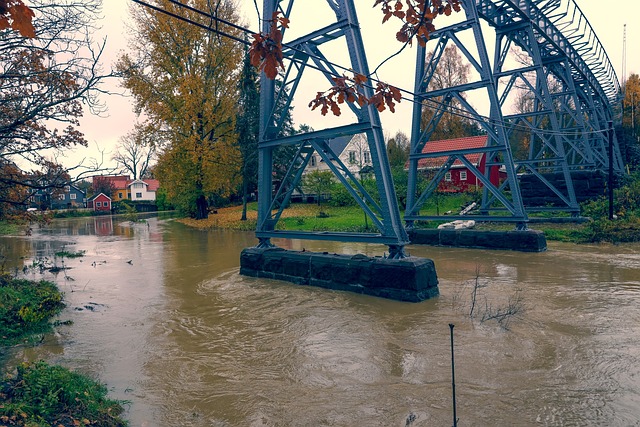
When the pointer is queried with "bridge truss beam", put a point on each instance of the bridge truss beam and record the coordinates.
(304, 54)
(570, 82)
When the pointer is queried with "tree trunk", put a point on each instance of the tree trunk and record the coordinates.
(201, 207)
(244, 200)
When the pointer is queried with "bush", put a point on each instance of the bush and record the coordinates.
(44, 395)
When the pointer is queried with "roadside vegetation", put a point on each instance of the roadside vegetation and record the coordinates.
(38, 394)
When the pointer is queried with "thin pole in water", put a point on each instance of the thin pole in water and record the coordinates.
(610, 124)
(453, 378)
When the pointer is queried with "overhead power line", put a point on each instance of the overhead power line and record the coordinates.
(453, 110)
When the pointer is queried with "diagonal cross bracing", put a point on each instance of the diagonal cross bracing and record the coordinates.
(300, 53)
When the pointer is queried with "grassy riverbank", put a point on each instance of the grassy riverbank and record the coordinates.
(39, 394)
(310, 217)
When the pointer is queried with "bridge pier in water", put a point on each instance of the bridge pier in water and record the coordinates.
(566, 129)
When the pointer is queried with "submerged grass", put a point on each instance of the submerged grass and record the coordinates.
(26, 308)
(38, 394)
(43, 395)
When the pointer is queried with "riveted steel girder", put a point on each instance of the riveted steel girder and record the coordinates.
(306, 54)
(505, 196)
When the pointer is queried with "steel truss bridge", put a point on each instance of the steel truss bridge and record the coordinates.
(566, 74)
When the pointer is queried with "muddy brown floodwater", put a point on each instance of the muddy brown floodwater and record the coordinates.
(162, 317)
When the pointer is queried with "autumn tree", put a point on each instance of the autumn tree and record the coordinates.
(45, 80)
(134, 154)
(631, 122)
(450, 71)
(183, 80)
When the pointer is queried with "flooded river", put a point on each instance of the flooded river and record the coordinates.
(162, 317)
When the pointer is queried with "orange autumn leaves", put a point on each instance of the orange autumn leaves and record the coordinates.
(16, 15)
(347, 89)
(417, 20)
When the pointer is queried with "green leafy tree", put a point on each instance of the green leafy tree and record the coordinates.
(184, 81)
(398, 150)
(318, 182)
(247, 127)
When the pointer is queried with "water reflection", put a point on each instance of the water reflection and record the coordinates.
(174, 329)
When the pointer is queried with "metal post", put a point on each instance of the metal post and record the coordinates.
(610, 126)
(453, 379)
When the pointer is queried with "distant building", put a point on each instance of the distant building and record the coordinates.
(139, 190)
(353, 152)
(125, 188)
(459, 178)
(70, 197)
(51, 196)
(100, 203)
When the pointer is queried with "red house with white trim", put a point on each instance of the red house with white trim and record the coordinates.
(100, 203)
(459, 178)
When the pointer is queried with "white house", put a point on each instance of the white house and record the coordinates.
(142, 190)
(353, 151)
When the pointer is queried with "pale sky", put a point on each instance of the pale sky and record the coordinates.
(379, 40)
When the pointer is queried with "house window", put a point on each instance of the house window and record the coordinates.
(447, 176)
(367, 157)
(352, 156)
(61, 197)
(120, 195)
(463, 175)
(313, 160)
(67, 188)
(98, 204)
(138, 195)
(138, 185)
(72, 196)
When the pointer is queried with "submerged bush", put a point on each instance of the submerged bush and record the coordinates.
(26, 307)
(44, 395)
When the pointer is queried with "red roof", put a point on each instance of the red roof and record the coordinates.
(119, 181)
(154, 184)
(468, 142)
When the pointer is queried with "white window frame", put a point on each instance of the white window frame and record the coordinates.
(463, 175)
(72, 196)
(98, 204)
(447, 177)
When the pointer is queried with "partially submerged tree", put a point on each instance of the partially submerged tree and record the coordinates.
(183, 79)
(44, 83)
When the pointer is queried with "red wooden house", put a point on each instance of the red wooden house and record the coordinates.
(459, 178)
(100, 203)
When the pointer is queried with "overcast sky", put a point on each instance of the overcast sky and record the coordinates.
(103, 132)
